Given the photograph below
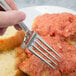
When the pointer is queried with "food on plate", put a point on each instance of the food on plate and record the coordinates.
(9, 61)
(59, 31)
(11, 38)
(11, 54)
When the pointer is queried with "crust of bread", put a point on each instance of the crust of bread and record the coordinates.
(13, 41)
(20, 57)
(19, 73)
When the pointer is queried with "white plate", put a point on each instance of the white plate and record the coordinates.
(32, 12)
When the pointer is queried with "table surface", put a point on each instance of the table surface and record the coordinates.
(71, 4)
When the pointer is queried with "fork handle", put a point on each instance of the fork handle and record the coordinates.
(4, 5)
(7, 7)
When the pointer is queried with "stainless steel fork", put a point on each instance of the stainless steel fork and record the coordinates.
(31, 38)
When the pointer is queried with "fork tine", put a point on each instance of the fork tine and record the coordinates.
(46, 50)
(48, 46)
(40, 57)
(44, 54)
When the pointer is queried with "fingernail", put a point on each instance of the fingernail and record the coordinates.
(21, 16)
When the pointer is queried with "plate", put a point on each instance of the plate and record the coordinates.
(33, 12)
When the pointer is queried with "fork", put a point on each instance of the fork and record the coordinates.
(31, 38)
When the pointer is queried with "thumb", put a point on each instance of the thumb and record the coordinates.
(11, 18)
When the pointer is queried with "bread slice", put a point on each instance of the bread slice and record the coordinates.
(9, 61)
(11, 38)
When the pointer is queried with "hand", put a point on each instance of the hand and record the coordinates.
(10, 17)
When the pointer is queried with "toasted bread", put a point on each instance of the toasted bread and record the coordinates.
(12, 38)
(9, 61)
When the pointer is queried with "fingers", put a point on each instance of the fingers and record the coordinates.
(11, 4)
(11, 18)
